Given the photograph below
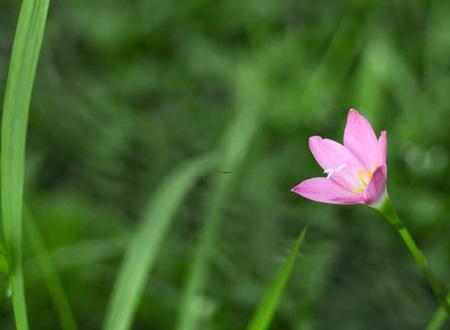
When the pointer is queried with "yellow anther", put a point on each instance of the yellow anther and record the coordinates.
(364, 177)
(361, 174)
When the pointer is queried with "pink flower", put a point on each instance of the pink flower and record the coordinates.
(356, 171)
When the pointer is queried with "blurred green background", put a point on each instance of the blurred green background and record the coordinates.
(128, 90)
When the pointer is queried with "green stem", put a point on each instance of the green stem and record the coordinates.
(438, 319)
(386, 208)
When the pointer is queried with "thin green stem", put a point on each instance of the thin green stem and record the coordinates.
(386, 208)
(438, 319)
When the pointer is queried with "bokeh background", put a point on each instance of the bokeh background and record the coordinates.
(126, 91)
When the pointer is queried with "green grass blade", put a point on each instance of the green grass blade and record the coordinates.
(24, 59)
(269, 303)
(50, 277)
(3, 264)
(81, 254)
(144, 246)
(237, 140)
(438, 319)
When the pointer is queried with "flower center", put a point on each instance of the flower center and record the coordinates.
(364, 178)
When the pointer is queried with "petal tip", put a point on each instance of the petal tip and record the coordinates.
(297, 189)
(353, 112)
(314, 139)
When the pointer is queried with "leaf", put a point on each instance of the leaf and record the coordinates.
(3, 264)
(236, 143)
(50, 276)
(144, 246)
(270, 301)
(22, 70)
(438, 319)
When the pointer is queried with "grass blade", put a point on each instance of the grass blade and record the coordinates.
(81, 254)
(143, 248)
(50, 277)
(24, 59)
(269, 303)
(438, 319)
(237, 141)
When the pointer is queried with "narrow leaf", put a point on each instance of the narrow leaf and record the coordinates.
(250, 98)
(144, 246)
(269, 303)
(438, 320)
(50, 276)
(22, 70)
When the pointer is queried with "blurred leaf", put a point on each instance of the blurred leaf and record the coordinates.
(269, 303)
(82, 253)
(335, 62)
(50, 276)
(3, 264)
(144, 246)
(438, 319)
(250, 98)
(22, 70)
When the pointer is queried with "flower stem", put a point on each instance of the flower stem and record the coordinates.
(386, 208)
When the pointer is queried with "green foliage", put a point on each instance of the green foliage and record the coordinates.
(50, 276)
(22, 69)
(439, 318)
(146, 243)
(128, 90)
(236, 142)
(268, 305)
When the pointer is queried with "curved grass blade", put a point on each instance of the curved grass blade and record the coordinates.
(50, 277)
(144, 246)
(24, 59)
(438, 319)
(269, 303)
(81, 254)
(237, 140)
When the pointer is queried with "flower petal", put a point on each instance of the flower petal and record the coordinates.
(382, 148)
(327, 191)
(339, 162)
(361, 140)
(376, 187)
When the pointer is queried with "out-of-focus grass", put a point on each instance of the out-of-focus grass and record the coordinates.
(146, 243)
(269, 303)
(250, 91)
(22, 70)
(50, 275)
(127, 94)
(439, 318)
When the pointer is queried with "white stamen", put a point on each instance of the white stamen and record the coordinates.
(342, 166)
(328, 173)
(331, 171)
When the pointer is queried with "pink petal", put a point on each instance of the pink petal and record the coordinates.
(360, 139)
(382, 148)
(376, 187)
(327, 191)
(334, 156)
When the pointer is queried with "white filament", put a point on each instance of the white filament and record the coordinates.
(331, 171)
